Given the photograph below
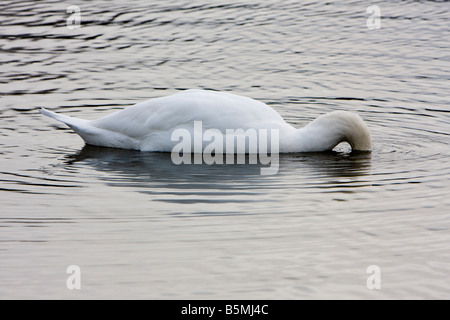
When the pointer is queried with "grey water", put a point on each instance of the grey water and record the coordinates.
(140, 227)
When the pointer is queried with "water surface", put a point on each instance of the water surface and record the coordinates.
(139, 226)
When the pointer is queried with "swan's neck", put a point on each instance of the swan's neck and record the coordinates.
(327, 131)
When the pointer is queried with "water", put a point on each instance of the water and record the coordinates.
(139, 226)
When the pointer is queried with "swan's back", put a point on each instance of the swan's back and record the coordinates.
(217, 110)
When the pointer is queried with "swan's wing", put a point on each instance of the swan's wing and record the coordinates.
(149, 125)
(215, 109)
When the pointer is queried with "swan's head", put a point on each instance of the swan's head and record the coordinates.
(338, 126)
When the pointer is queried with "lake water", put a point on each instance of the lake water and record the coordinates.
(140, 227)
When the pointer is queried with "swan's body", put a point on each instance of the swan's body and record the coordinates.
(148, 126)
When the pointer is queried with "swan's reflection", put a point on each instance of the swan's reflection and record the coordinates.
(133, 166)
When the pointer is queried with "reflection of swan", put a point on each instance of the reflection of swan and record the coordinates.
(148, 126)
(137, 166)
(227, 185)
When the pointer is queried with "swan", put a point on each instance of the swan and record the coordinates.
(148, 126)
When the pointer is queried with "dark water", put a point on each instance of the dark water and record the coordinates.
(139, 226)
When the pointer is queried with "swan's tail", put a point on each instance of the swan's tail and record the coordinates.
(94, 135)
(72, 122)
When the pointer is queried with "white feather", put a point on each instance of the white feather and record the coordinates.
(148, 126)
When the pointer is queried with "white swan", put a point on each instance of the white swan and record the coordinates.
(148, 126)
